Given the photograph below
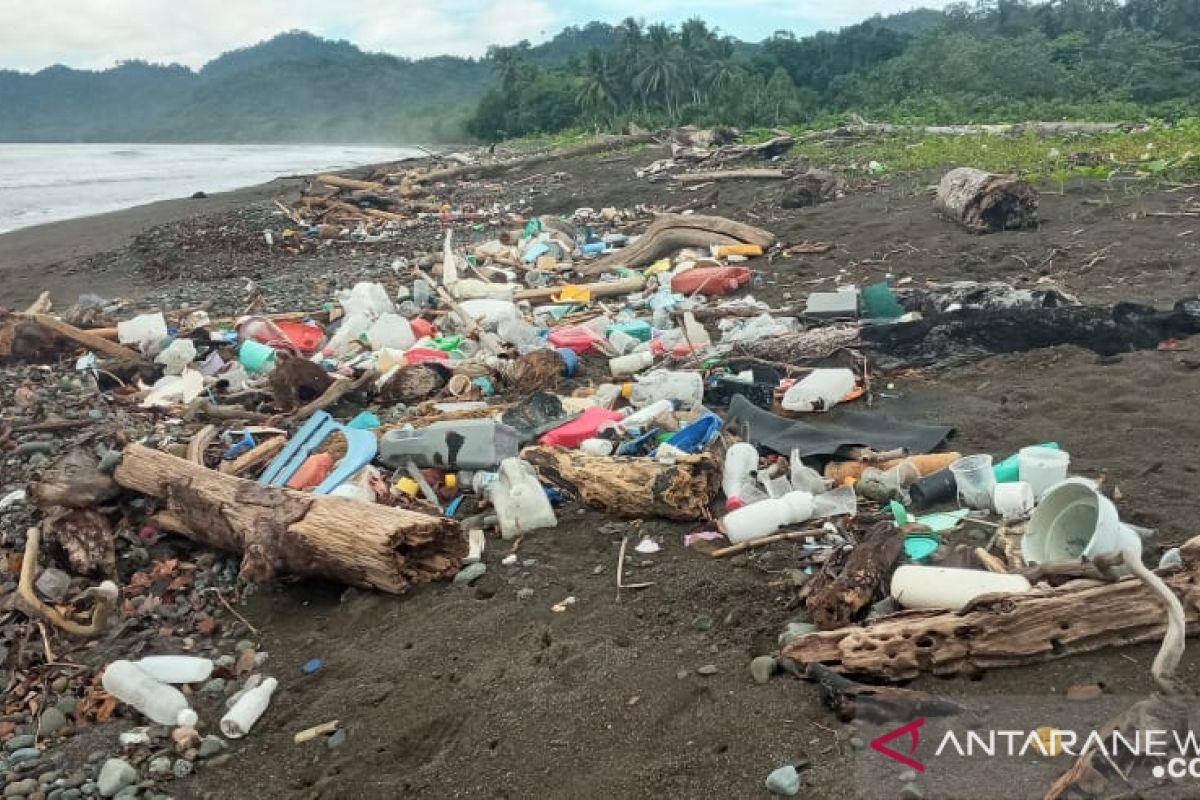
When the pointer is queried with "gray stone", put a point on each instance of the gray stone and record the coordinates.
(243, 645)
(336, 740)
(832, 305)
(226, 661)
(159, 767)
(703, 622)
(708, 669)
(762, 668)
(56, 794)
(784, 781)
(469, 574)
(211, 746)
(33, 448)
(21, 788)
(53, 584)
(47, 778)
(61, 683)
(857, 743)
(908, 776)
(181, 768)
(525, 593)
(136, 737)
(911, 791)
(219, 761)
(21, 741)
(795, 630)
(128, 793)
(115, 775)
(67, 706)
(214, 686)
(52, 720)
(71, 794)
(23, 755)
(260, 658)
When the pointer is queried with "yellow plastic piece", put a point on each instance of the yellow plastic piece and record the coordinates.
(739, 250)
(407, 486)
(572, 293)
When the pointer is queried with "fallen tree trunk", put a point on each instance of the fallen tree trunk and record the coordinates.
(280, 531)
(672, 232)
(986, 203)
(835, 603)
(86, 339)
(733, 175)
(1002, 630)
(339, 182)
(1011, 129)
(631, 487)
(500, 167)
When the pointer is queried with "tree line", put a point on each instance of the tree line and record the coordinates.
(996, 60)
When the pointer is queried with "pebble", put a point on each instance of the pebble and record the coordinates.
(214, 686)
(48, 777)
(71, 794)
(220, 761)
(469, 574)
(211, 746)
(128, 793)
(911, 791)
(135, 737)
(181, 768)
(160, 767)
(908, 776)
(708, 669)
(51, 721)
(681, 673)
(225, 661)
(69, 706)
(525, 593)
(857, 743)
(19, 742)
(21, 788)
(762, 668)
(33, 448)
(784, 781)
(260, 658)
(337, 739)
(115, 775)
(53, 584)
(60, 684)
(23, 755)
(703, 622)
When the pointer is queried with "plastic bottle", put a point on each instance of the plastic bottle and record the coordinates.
(630, 364)
(176, 669)
(768, 516)
(162, 703)
(685, 388)
(607, 395)
(521, 503)
(741, 462)
(391, 330)
(916, 586)
(647, 415)
(820, 391)
(518, 333)
(238, 721)
(622, 342)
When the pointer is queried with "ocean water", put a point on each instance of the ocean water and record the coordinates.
(49, 182)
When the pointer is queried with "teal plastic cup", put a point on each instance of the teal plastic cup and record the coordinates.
(255, 356)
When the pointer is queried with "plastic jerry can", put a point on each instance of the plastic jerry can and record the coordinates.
(685, 388)
(521, 503)
(459, 444)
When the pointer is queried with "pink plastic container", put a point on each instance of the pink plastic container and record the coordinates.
(582, 427)
(710, 281)
(573, 338)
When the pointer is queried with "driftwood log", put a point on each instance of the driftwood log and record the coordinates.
(280, 531)
(762, 174)
(836, 603)
(851, 700)
(672, 232)
(986, 203)
(631, 487)
(1003, 630)
(859, 127)
(500, 167)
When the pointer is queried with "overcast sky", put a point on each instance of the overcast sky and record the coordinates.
(97, 33)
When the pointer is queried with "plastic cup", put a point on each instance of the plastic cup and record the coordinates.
(1042, 467)
(973, 475)
(256, 357)
(1013, 500)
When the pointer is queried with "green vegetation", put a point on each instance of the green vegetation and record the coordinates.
(999, 60)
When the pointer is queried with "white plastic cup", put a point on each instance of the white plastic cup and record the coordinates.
(1013, 500)
(1042, 467)
(238, 721)
(975, 480)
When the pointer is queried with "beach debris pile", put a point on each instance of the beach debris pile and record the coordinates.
(409, 432)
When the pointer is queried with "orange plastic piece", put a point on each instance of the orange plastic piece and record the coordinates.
(739, 250)
(839, 471)
(314, 470)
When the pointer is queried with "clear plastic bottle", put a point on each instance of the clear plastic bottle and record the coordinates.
(607, 395)
(630, 364)
(176, 669)
(647, 415)
(741, 462)
(238, 721)
(767, 516)
(162, 703)
(519, 333)
(622, 342)
(819, 391)
(685, 388)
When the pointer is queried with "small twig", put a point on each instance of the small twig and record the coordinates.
(233, 611)
(787, 536)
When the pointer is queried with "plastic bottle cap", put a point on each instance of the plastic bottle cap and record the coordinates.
(626, 390)
(407, 486)
(187, 718)
(451, 481)
(734, 503)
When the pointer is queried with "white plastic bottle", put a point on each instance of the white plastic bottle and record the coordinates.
(916, 586)
(647, 415)
(741, 461)
(238, 721)
(767, 516)
(176, 669)
(630, 364)
(819, 391)
(521, 503)
(685, 388)
(162, 703)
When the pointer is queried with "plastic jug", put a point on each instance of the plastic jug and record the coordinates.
(521, 503)
(162, 703)
(238, 721)
(685, 388)
(643, 417)
(176, 669)
(710, 281)
(741, 462)
(459, 444)
(488, 311)
(766, 517)
(819, 391)
(391, 330)
(630, 364)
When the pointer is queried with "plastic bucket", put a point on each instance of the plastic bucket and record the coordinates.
(1013, 500)
(973, 475)
(256, 357)
(1042, 467)
(1075, 521)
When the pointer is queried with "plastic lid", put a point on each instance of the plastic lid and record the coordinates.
(451, 481)
(626, 390)
(734, 503)
(920, 546)
(408, 486)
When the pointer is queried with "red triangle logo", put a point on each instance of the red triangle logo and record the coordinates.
(912, 729)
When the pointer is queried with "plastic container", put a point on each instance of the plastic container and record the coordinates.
(143, 330)
(1013, 500)
(1042, 467)
(585, 426)
(630, 364)
(176, 669)
(161, 702)
(975, 481)
(306, 337)
(710, 281)
(916, 586)
(836, 502)
(638, 329)
(684, 388)
(932, 489)
(521, 503)
(1009, 470)
(1075, 521)
(596, 447)
(767, 516)
(314, 470)
(741, 462)
(458, 444)
(819, 391)
(739, 250)
(644, 416)
(391, 330)
(488, 311)
(238, 721)
(256, 357)
(176, 356)
(621, 342)
(573, 338)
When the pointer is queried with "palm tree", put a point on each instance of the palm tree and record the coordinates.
(659, 78)
(598, 93)
(509, 63)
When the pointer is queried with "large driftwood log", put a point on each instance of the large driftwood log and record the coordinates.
(631, 487)
(672, 232)
(835, 603)
(762, 174)
(500, 167)
(1002, 630)
(280, 531)
(861, 128)
(986, 203)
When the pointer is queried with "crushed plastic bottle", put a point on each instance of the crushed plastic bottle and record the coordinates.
(685, 388)
(162, 703)
(176, 669)
(768, 516)
(819, 391)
